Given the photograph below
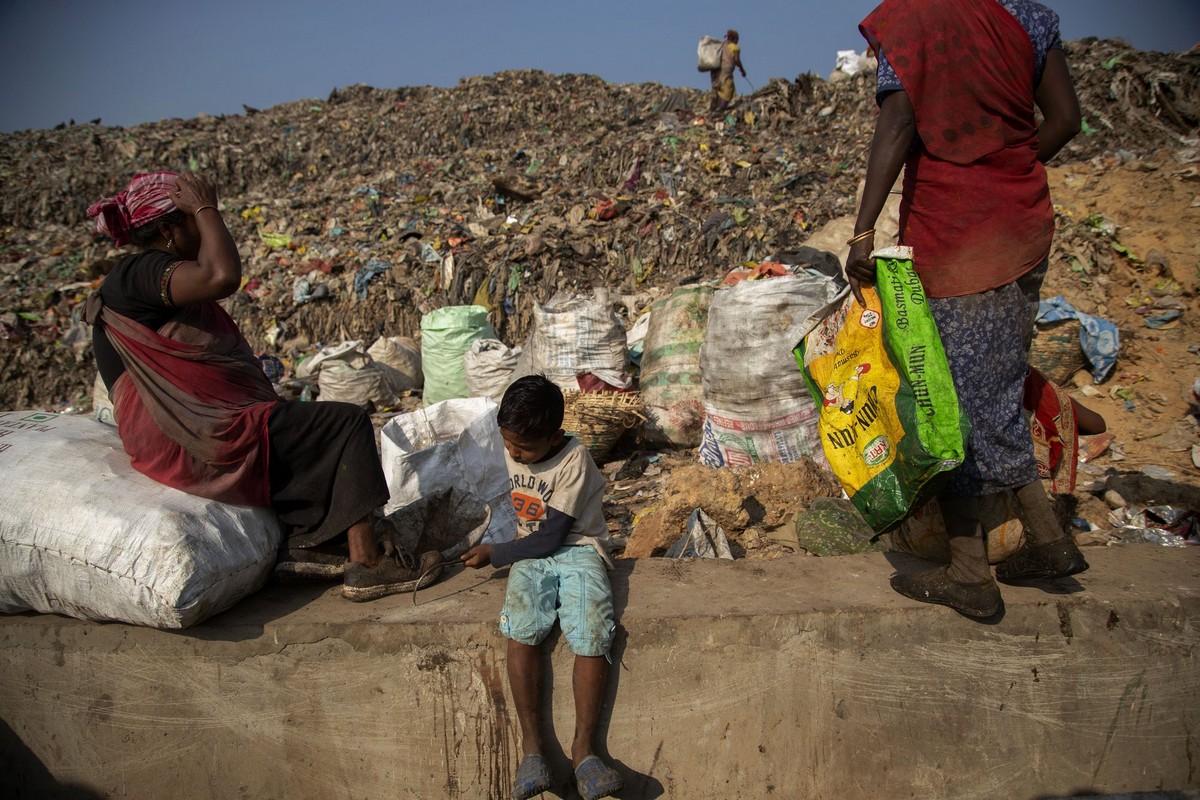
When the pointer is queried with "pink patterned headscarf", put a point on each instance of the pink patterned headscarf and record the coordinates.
(147, 198)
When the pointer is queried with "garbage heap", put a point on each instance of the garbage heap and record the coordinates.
(359, 213)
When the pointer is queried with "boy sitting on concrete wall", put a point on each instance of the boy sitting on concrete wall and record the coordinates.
(559, 570)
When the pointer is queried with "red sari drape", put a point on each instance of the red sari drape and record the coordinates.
(193, 403)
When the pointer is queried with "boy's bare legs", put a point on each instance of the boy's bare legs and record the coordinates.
(588, 681)
(525, 680)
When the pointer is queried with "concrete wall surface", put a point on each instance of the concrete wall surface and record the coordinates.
(796, 678)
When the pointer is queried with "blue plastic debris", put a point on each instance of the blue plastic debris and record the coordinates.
(1099, 338)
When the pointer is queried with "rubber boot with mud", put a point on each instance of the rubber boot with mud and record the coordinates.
(966, 585)
(1047, 552)
(1031, 562)
(977, 600)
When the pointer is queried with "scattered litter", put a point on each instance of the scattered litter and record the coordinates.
(1100, 339)
(703, 539)
(1162, 525)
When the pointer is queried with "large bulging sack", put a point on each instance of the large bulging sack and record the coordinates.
(756, 404)
(446, 336)
(399, 359)
(83, 534)
(347, 374)
(708, 53)
(490, 365)
(670, 381)
(890, 420)
(575, 336)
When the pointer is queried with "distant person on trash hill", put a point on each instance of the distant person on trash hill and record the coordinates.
(958, 85)
(723, 90)
(194, 408)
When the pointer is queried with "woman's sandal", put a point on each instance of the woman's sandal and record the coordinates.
(595, 779)
(533, 777)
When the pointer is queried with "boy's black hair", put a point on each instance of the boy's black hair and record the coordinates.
(532, 407)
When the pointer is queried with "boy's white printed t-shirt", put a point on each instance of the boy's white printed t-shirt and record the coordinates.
(569, 482)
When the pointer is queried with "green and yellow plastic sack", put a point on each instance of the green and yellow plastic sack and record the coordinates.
(890, 421)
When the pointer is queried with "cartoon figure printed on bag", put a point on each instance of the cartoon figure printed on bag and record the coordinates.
(845, 395)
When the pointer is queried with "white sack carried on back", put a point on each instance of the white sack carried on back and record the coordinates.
(708, 53)
(83, 534)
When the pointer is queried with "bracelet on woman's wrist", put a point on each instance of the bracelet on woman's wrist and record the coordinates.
(196, 213)
(861, 237)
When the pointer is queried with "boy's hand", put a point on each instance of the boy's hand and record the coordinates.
(478, 556)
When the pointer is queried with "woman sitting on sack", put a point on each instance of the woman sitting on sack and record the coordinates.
(196, 412)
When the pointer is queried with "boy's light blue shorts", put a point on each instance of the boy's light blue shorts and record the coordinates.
(570, 585)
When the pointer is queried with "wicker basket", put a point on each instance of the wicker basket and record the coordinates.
(598, 419)
(1056, 352)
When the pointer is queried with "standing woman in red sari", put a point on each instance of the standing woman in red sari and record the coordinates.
(196, 412)
(958, 85)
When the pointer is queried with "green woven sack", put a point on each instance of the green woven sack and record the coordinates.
(446, 336)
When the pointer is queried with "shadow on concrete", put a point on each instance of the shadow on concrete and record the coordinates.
(1050, 585)
(247, 619)
(27, 777)
(483, 576)
(636, 784)
(907, 562)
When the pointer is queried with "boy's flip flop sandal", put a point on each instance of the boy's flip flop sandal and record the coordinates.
(533, 778)
(595, 779)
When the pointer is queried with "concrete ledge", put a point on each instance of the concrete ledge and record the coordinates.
(798, 678)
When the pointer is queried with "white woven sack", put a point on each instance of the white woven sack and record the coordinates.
(399, 358)
(452, 443)
(577, 335)
(83, 534)
(362, 386)
(489, 367)
(708, 53)
(757, 405)
(346, 374)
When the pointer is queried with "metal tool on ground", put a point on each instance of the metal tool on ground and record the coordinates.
(435, 566)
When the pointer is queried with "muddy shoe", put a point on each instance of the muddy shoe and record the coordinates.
(1056, 559)
(533, 777)
(298, 564)
(595, 779)
(389, 576)
(978, 600)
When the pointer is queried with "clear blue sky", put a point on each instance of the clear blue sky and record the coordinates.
(131, 61)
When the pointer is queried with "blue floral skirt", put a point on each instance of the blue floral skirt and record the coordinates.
(987, 338)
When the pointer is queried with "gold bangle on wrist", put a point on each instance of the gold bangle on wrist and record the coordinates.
(861, 237)
(196, 213)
